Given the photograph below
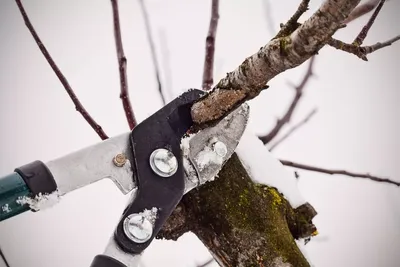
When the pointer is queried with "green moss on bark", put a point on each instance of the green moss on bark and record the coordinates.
(243, 223)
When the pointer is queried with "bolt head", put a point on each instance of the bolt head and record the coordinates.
(220, 149)
(138, 228)
(163, 162)
(119, 160)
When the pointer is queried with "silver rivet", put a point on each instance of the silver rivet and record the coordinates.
(163, 162)
(138, 228)
(220, 148)
(119, 160)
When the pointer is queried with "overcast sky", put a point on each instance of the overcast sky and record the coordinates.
(356, 127)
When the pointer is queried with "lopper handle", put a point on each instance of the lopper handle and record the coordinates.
(28, 181)
(12, 189)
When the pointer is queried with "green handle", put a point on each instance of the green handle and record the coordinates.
(12, 188)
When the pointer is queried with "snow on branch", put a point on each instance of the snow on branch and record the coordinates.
(280, 54)
(78, 105)
(288, 114)
(338, 172)
(265, 168)
(122, 63)
(210, 47)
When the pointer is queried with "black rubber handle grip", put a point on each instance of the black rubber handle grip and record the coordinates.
(105, 261)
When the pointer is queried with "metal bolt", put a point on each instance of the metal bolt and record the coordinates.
(138, 228)
(163, 162)
(119, 160)
(220, 148)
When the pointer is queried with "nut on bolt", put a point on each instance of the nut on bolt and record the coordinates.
(119, 160)
(138, 228)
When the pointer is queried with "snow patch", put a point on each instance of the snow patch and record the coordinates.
(264, 168)
(41, 201)
(6, 208)
(150, 215)
(207, 157)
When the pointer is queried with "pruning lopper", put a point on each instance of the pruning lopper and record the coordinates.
(158, 161)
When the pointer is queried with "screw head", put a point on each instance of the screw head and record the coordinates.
(163, 162)
(220, 148)
(138, 228)
(119, 160)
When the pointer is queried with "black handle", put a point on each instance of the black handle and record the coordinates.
(105, 261)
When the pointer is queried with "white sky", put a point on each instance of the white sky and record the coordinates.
(356, 128)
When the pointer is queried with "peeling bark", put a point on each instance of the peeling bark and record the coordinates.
(242, 223)
(279, 55)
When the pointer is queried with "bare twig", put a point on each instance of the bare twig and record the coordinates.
(78, 105)
(286, 118)
(166, 65)
(210, 47)
(292, 24)
(361, 10)
(364, 32)
(293, 129)
(4, 258)
(206, 263)
(361, 51)
(268, 16)
(341, 172)
(122, 63)
(152, 49)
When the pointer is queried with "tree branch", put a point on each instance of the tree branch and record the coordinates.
(361, 51)
(292, 24)
(78, 105)
(341, 172)
(210, 47)
(152, 49)
(122, 63)
(361, 10)
(364, 32)
(3, 257)
(288, 115)
(279, 55)
(208, 262)
(293, 129)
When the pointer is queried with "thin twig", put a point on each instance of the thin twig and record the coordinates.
(293, 129)
(122, 63)
(166, 65)
(206, 263)
(3, 257)
(286, 118)
(152, 49)
(268, 16)
(364, 32)
(292, 24)
(361, 51)
(78, 105)
(210, 47)
(341, 172)
(361, 10)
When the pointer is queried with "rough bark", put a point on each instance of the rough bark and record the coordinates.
(243, 223)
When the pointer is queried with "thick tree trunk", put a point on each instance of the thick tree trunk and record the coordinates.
(243, 223)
